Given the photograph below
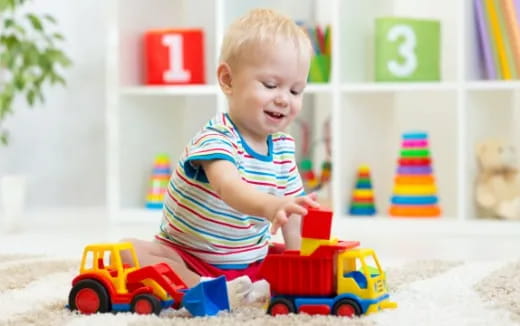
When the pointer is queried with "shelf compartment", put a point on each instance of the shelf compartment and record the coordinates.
(374, 87)
(170, 90)
(372, 127)
(492, 85)
(357, 37)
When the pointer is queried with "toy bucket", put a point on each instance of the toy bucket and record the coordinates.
(207, 298)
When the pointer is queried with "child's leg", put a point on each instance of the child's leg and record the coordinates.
(151, 252)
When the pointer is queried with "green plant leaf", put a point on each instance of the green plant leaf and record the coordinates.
(58, 36)
(31, 95)
(4, 137)
(35, 22)
(49, 18)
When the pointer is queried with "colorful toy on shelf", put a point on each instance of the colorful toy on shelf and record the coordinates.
(158, 182)
(105, 284)
(363, 196)
(311, 181)
(414, 193)
(407, 49)
(319, 71)
(174, 56)
(309, 178)
(326, 276)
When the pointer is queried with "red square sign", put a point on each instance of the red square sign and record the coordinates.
(174, 56)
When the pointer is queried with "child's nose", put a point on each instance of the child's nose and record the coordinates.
(281, 100)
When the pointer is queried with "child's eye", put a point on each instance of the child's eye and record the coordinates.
(295, 92)
(269, 85)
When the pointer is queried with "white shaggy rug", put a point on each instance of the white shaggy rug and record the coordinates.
(34, 290)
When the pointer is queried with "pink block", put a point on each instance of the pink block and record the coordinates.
(414, 143)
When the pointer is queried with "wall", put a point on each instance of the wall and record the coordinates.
(60, 146)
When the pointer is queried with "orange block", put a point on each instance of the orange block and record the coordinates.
(174, 56)
(415, 211)
(414, 179)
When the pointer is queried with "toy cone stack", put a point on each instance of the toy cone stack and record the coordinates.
(310, 181)
(363, 197)
(414, 193)
(158, 182)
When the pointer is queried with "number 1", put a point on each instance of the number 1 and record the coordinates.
(176, 72)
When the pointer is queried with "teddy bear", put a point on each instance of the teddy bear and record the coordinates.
(498, 180)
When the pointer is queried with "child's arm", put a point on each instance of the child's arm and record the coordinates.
(228, 184)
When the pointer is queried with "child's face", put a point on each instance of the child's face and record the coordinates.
(267, 90)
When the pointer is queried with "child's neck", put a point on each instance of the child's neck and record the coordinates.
(258, 145)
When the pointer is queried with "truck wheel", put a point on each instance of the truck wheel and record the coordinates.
(280, 306)
(346, 307)
(145, 304)
(89, 297)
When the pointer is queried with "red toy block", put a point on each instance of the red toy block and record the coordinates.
(317, 224)
(174, 56)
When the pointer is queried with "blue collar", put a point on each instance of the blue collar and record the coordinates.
(249, 150)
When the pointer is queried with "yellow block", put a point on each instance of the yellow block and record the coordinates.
(364, 168)
(363, 193)
(309, 245)
(415, 189)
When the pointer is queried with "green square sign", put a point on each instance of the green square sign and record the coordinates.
(407, 49)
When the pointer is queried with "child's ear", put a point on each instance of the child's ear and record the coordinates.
(224, 78)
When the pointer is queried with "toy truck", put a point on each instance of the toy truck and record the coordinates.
(326, 276)
(106, 284)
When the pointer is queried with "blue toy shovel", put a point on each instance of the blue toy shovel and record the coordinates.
(207, 298)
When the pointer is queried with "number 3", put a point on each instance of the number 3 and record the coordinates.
(406, 49)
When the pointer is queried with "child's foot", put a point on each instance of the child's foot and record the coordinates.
(259, 295)
(238, 290)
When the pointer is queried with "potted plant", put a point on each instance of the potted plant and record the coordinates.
(30, 58)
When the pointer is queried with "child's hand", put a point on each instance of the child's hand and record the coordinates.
(288, 206)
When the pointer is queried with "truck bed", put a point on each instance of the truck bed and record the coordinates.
(289, 273)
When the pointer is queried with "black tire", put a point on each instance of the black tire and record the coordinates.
(89, 297)
(280, 306)
(346, 305)
(145, 304)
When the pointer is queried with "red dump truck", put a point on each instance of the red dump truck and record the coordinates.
(325, 276)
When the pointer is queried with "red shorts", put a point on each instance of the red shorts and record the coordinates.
(205, 269)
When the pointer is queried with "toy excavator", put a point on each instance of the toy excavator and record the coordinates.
(106, 284)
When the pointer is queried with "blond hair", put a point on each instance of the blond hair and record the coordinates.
(262, 27)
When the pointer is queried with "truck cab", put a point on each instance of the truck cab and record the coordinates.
(105, 260)
(361, 282)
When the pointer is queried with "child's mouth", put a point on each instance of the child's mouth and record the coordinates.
(274, 115)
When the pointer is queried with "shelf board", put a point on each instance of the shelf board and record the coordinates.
(378, 87)
(177, 90)
(318, 88)
(447, 225)
(377, 225)
(137, 215)
(493, 85)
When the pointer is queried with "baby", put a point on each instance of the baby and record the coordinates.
(237, 179)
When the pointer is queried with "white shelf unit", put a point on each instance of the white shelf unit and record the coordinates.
(368, 118)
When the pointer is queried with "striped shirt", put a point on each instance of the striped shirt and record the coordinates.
(197, 220)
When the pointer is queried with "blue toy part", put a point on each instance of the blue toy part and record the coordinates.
(363, 185)
(414, 200)
(163, 171)
(207, 298)
(360, 279)
(154, 205)
(415, 135)
(362, 211)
